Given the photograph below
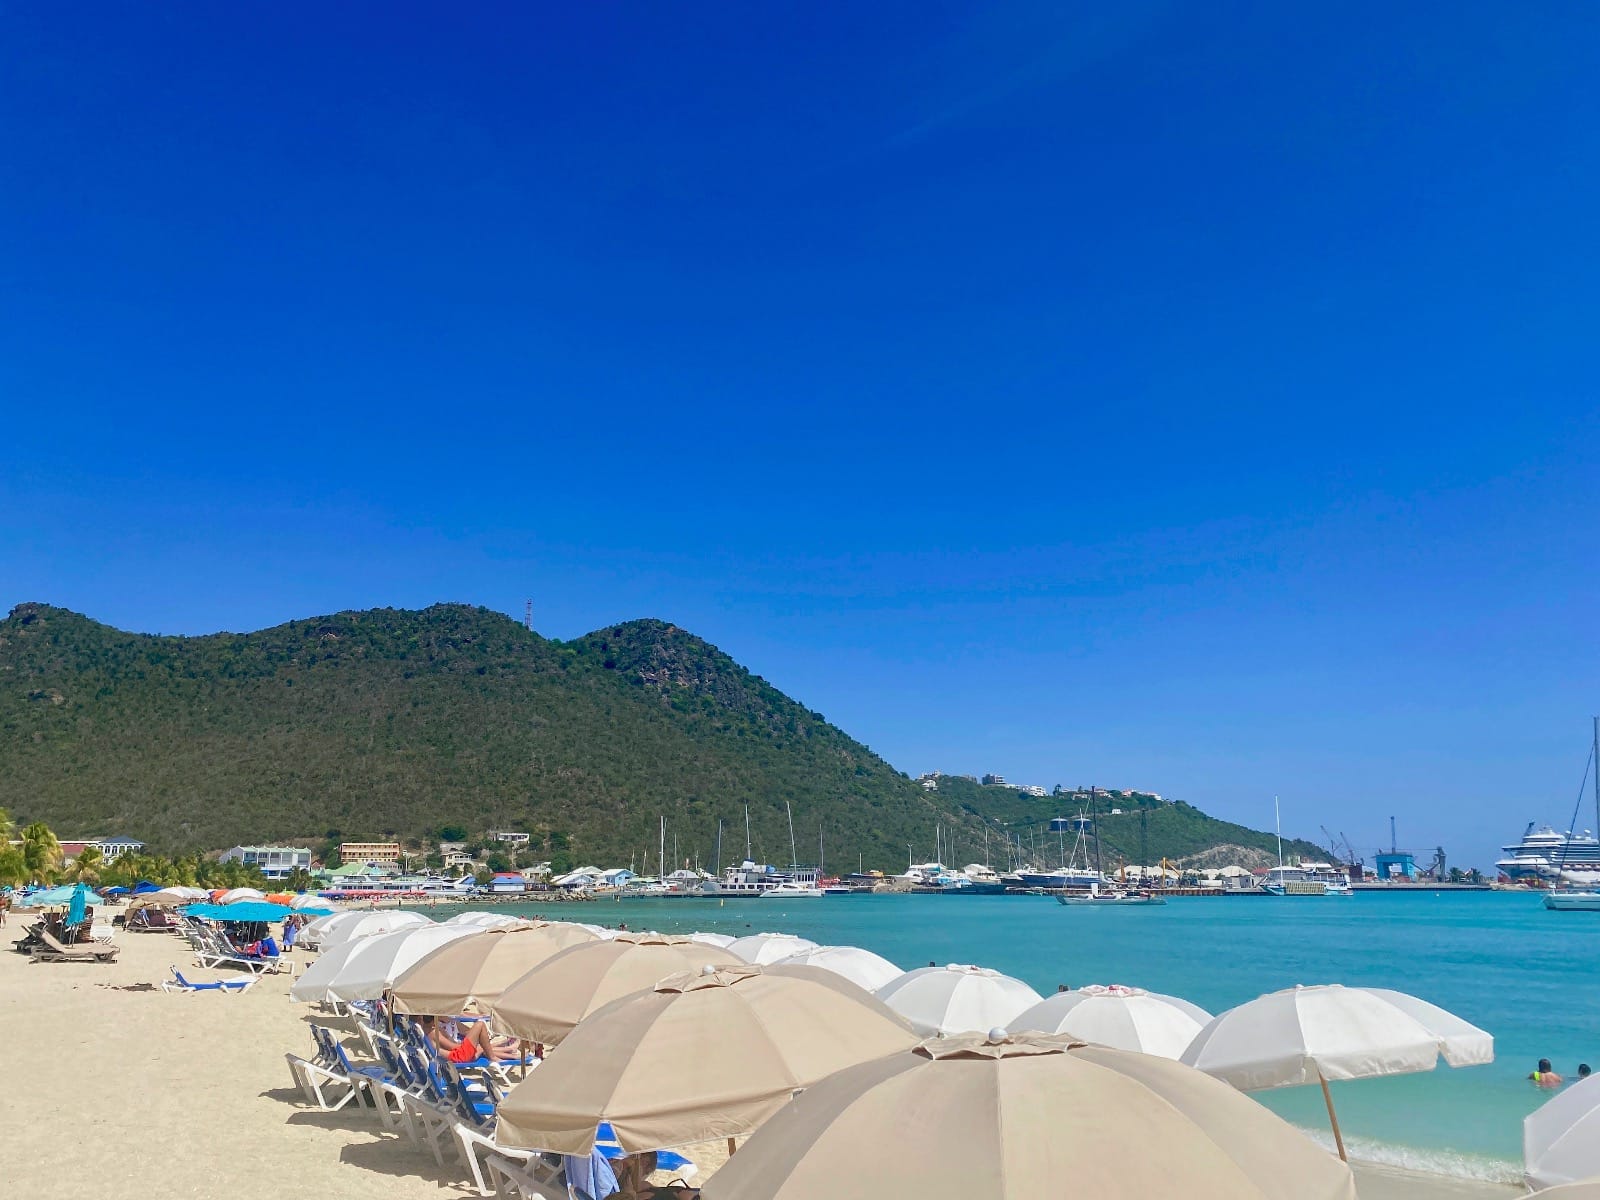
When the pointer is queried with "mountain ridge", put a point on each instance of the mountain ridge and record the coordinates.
(386, 721)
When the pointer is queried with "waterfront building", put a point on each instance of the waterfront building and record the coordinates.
(369, 852)
(275, 862)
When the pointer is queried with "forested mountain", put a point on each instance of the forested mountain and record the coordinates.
(390, 722)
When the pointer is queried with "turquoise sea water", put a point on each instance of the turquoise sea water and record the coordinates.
(1500, 960)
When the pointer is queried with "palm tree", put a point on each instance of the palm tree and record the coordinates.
(87, 866)
(298, 880)
(41, 852)
(13, 866)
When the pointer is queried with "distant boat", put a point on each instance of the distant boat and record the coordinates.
(1097, 898)
(790, 890)
(1313, 879)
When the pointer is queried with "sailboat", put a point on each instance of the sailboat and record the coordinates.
(794, 888)
(1585, 899)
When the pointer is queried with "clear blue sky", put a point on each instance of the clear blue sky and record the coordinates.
(1198, 397)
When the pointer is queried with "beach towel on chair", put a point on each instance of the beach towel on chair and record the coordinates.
(589, 1178)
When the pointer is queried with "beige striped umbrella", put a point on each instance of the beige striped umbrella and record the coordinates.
(970, 1118)
(698, 1057)
(546, 1003)
(469, 974)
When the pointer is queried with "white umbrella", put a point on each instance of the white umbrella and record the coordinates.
(1309, 1035)
(861, 967)
(342, 927)
(307, 900)
(958, 999)
(759, 949)
(367, 967)
(1561, 1138)
(720, 940)
(1582, 1189)
(486, 920)
(1123, 1018)
(234, 895)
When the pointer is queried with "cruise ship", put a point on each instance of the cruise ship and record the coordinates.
(1543, 853)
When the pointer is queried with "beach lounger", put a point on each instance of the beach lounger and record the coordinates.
(216, 951)
(232, 987)
(538, 1177)
(50, 950)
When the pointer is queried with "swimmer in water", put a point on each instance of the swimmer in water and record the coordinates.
(1545, 1077)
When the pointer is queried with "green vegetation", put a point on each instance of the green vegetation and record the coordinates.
(391, 723)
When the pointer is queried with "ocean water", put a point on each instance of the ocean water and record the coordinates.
(1529, 976)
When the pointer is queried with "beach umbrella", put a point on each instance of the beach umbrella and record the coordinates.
(64, 894)
(699, 1056)
(548, 1002)
(720, 940)
(1581, 1189)
(957, 998)
(243, 910)
(1123, 1018)
(467, 975)
(1307, 1035)
(1561, 1138)
(143, 886)
(485, 919)
(114, 891)
(235, 895)
(760, 949)
(78, 905)
(365, 968)
(863, 968)
(341, 927)
(308, 900)
(1022, 1116)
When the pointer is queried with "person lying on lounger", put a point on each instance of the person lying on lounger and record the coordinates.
(265, 948)
(474, 1043)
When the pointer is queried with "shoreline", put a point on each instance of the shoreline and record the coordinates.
(209, 1070)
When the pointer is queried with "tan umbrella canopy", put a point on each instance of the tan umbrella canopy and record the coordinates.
(699, 1056)
(546, 1003)
(471, 972)
(966, 1118)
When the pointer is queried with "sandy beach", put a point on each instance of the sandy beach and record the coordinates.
(117, 1089)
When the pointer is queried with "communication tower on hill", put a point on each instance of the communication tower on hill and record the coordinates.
(527, 616)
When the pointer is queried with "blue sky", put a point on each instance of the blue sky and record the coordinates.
(1196, 397)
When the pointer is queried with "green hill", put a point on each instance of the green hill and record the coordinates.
(389, 722)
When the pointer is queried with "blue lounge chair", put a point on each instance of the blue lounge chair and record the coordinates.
(227, 986)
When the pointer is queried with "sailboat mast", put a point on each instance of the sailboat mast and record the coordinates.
(717, 866)
(1277, 821)
(663, 859)
(1094, 820)
(1597, 776)
(747, 857)
(794, 855)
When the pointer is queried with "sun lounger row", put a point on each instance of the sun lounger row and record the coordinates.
(444, 1106)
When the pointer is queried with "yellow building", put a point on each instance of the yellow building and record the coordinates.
(369, 852)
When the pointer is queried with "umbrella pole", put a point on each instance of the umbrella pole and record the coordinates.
(732, 1146)
(1333, 1117)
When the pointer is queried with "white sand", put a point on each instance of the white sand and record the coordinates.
(126, 1094)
